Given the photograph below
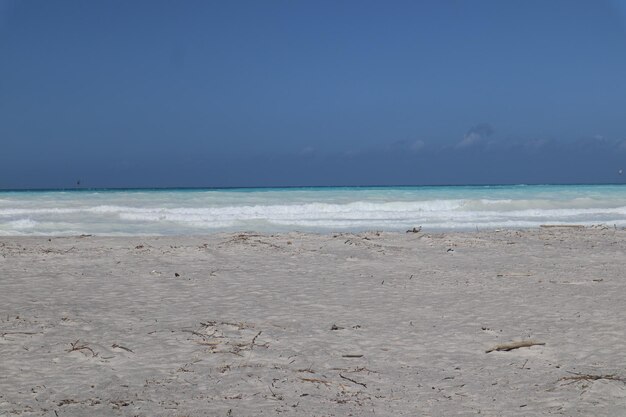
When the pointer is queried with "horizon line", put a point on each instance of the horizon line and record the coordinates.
(266, 187)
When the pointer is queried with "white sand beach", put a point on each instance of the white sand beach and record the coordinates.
(315, 325)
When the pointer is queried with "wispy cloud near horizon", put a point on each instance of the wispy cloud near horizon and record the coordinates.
(476, 135)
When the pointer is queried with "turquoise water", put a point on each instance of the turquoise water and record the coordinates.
(201, 211)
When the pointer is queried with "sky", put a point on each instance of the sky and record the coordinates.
(303, 93)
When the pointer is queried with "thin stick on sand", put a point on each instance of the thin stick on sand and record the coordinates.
(254, 340)
(115, 345)
(352, 380)
(590, 377)
(76, 347)
(26, 333)
(315, 380)
(514, 345)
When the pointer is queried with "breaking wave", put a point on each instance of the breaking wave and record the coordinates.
(199, 212)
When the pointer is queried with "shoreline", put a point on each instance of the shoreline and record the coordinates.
(418, 230)
(315, 324)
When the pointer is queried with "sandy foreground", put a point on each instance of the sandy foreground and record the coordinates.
(369, 324)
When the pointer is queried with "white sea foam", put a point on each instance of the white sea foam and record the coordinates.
(184, 212)
(21, 224)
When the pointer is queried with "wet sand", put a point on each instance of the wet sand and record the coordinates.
(315, 325)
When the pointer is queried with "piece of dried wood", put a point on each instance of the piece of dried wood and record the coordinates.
(514, 345)
(115, 345)
(353, 381)
(316, 380)
(590, 377)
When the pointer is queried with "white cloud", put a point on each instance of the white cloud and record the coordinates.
(417, 145)
(476, 135)
(308, 150)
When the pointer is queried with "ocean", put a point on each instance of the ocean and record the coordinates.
(313, 209)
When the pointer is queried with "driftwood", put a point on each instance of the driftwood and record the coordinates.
(590, 377)
(79, 347)
(26, 333)
(353, 381)
(115, 345)
(254, 339)
(514, 345)
(514, 274)
(315, 380)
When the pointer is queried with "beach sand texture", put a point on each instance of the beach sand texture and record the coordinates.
(315, 325)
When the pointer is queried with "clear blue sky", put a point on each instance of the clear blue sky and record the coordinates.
(261, 93)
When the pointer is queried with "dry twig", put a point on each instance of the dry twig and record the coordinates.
(352, 380)
(80, 347)
(590, 377)
(254, 340)
(315, 380)
(115, 345)
(514, 345)
(26, 333)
